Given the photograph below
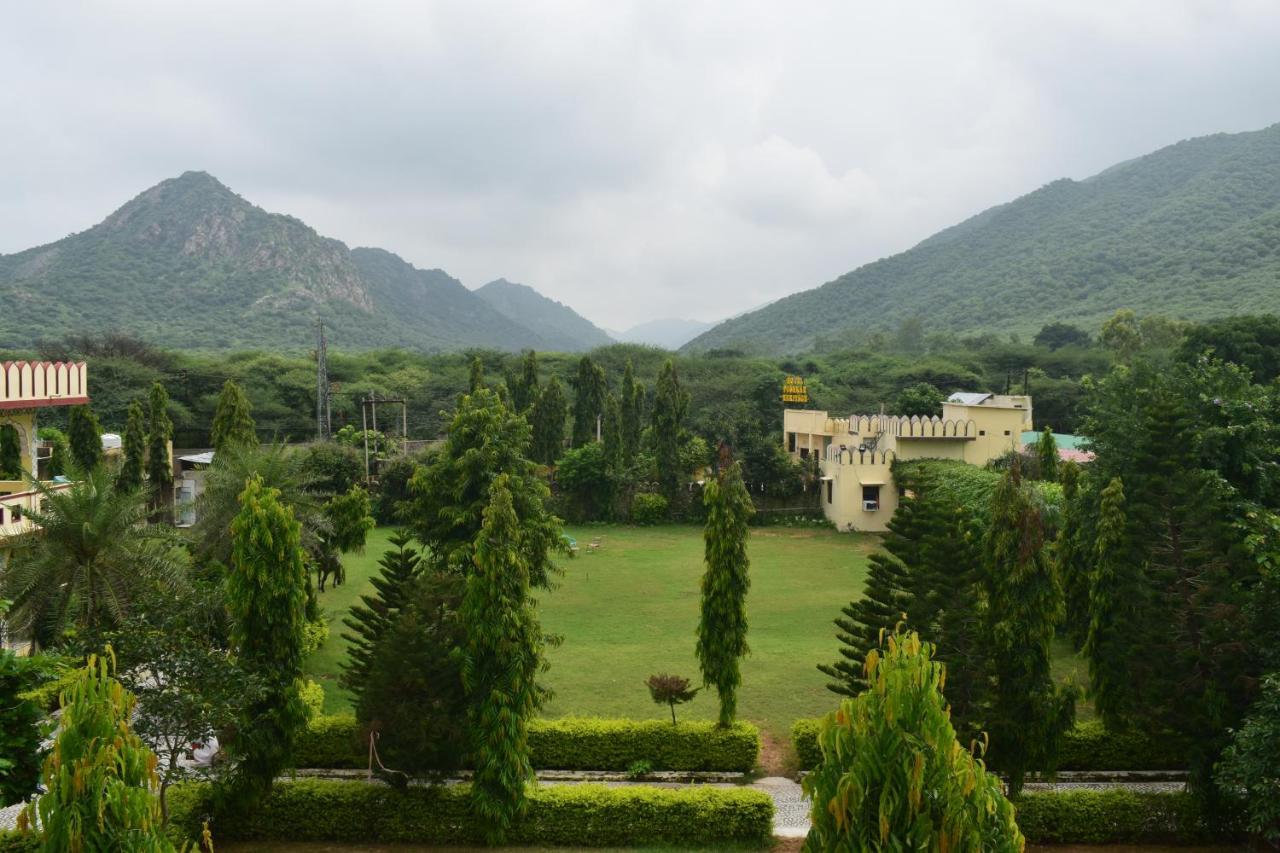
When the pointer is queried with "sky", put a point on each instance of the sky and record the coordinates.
(635, 160)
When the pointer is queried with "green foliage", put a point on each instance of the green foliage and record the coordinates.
(350, 520)
(632, 413)
(524, 388)
(920, 399)
(486, 442)
(670, 690)
(101, 778)
(19, 842)
(1058, 335)
(476, 380)
(400, 567)
(547, 417)
(670, 406)
(590, 388)
(804, 740)
(1047, 455)
(1251, 342)
(893, 775)
(266, 599)
(85, 438)
(19, 729)
(59, 454)
(649, 508)
(334, 468)
(561, 816)
(135, 449)
(1116, 603)
(159, 434)
(586, 483)
(1252, 763)
(722, 624)
(233, 424)
(503, 654)
(614, 450)
(1118, 816)
(11, 467)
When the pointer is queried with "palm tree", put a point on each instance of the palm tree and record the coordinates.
(90, 557)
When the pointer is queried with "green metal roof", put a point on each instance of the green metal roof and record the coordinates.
(1064, 440)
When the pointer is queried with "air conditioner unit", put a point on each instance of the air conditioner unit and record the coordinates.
(870, 506)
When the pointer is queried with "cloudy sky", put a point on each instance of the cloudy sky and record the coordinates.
(635, 160)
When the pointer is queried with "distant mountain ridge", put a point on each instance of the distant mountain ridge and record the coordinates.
(667, 332)
(1191, 230)
(190, 264)
(557, 324)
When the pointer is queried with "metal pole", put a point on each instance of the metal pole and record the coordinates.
(364, 422)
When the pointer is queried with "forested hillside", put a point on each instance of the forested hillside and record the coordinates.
(189, 264)
(1191, 231)
(557, 324)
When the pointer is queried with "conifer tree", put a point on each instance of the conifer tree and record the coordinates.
(85, 437)
(135, 449)
(614, 452)
(233, 424)
(266, 600)
(11, 467)
(1072, 564)
(476, 380)
(632, 413)
(953, 548)
(503, 654)
(159, 434)
(524, 389)
(590, 388)
(399, 567)
(548, 416)
(1047, 454)
(1028, 715)
(722, 627)
(670, 405)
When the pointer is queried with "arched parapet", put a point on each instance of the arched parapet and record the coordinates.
(32, 384)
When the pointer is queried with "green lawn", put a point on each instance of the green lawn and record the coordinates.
(631, 608)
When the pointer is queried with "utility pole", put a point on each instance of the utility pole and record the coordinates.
(323, 413)
(368, 411)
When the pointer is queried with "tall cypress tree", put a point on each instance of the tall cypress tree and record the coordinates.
(590, 388)
(1028, 715)
(722, 627)
(135, 449)
(502, 656)
(85, 437)
(233, 424)
(266, 599)
(159, 434)
(953, 548)
(614, 453)
(632, 404)
(547, 417)
(11, 467)
(1047, 454)
(400, 566)
(1072, 563)
(524, 388)
(670, 405)
(476, 380)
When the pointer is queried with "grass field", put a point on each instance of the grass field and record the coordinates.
(631, 609)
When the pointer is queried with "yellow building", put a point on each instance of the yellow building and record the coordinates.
(855, 453)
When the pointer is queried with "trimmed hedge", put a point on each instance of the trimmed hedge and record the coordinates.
(568, 815)
(571, 744)
(1088, 746)
(1120, 816)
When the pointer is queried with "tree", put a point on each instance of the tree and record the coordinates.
(548, 416)
(893, 775)
(920, 399)
(400, 566)
(476, 380)
(159, 435)
(1028, 715)
(350, 518)
(85, 437)
(1073, 565)
(670, 405)
(101, 777)
(233, 424)
(590, 388)
(1252, 763)
(59, 455)
(11, 467)
(671, 690)
(585, 483)
(503, 654)
(1047, 455)
(722, 627)
(266, 598)
(1057, 335)
(614, 451)
(524, 389)
(632, 405)
(19, 729)
(89, 561)
(135, 449)
(486, 441)
(1122, 335)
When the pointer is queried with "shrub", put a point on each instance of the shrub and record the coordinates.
(1122, 816)
(19, 842)
(19, 730)
(804, 739)
(648, 508)
(571, 815)
(571, 744)
(312, 695)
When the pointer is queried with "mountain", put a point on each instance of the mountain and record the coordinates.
(668, 332)
(559, 325)
(1190, 231)
(190, 264)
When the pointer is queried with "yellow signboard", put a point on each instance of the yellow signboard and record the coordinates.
(794, 390)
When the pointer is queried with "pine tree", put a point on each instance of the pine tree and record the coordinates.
(503, 654)
(266, 600)
(632, 413)
(1073, 566)
(953, 548)
(159, 434)
(614, 452)
(135, 449)
(1028, 715)
(233, 424)
(400, 566)
(11, 467)
(670, 405)
(722, 627)
(548, 416)
(85, 438)
(524, 389)
(1047, 454)
(589, 388)
(476, 380)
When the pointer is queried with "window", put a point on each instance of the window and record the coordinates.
(804, 453)
(791, 442)
(982, 432)
(1006, 432)
(870, 498)
(829, 491)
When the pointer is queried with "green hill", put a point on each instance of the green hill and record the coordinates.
(559, 325)
(189, 264)
(1190, 231)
